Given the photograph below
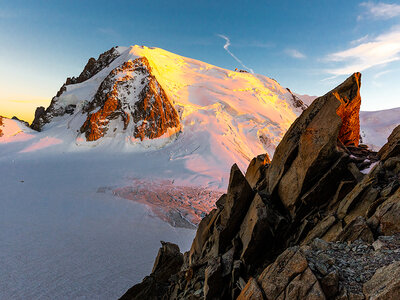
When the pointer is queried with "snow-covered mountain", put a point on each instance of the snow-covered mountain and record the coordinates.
(138, 124)
(138, 93)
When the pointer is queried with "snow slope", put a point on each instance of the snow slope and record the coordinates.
(226, 116)
(69, 229)
(376, 126)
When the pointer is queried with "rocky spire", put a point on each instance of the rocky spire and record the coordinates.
(308, 225)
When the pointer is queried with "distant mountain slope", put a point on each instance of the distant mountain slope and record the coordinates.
(135, 98)
(377, 125)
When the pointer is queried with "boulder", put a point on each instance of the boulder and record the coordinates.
(251, 291)
(385, 284)
(309, 147)
(386, 219)
(356, 230)
(258, 230)
(168, 262)
(289, 277)
(256, 170)
(392, 147)
(235, 207)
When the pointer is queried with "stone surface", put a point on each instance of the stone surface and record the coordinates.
(313, 194)
(44, 116)
(131, 97)
(392, 147)
(256, 170)
(251, 291)
(308, 148)
(385, 284)
(168, 262)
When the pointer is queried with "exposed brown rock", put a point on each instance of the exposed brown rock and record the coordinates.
(150, 112)
(392, 147)
(312, 194)
(385, 284)
(251, 291)
(1, 124)
(309, 146)
(168, 262)
(289, 277)
(256, 170)
(94, 66)
(387, 215)
(356, 230)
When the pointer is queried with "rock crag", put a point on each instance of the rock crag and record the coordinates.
(321, 221)
(132, 97)
(93, 66)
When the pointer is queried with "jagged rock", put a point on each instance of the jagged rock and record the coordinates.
(312, 194)
(330, 284)
(22, 121)
(392, 147)
(308, 148)
(131, 98)
(356, 230)
(44, 116)
(235, 206)
(289, 277)
(258, 230)
(1, 124)
(94, 66)
(256, 170)
(385, 284)
(251, 291)
(297, 102)
(320, 229)
(386, 219)
(213, 280)
(168, 262)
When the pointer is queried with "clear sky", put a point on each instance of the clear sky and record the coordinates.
(309, 46)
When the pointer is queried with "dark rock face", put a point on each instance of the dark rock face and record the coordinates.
(22, 121)
(132, 95)
(94, 66)
(129, 99)
(297, 102)
(168, 262)
(309, 224)
(1, 124)
(44, 116)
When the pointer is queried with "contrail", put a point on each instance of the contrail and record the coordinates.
(226, 47)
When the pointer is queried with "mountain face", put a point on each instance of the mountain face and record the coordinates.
(320, 221)
(139, 97)
(133, 96)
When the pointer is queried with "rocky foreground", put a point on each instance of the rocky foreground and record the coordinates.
(321, 221)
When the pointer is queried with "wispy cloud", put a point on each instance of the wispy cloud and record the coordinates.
(295, 53)
(360, 40)
(383, 49)
(381, 10)
(226, 47)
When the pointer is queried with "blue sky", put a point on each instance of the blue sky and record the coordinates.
(309, 46)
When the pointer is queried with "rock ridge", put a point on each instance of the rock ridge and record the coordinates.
(302, 226)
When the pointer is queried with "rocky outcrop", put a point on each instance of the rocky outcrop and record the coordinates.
(168, 262)
(315, 223)
(131, 99)
(296, 101)
(1, 124)
(55, 109)
(94, 66)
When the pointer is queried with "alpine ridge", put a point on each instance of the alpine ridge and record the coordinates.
(320, 221)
